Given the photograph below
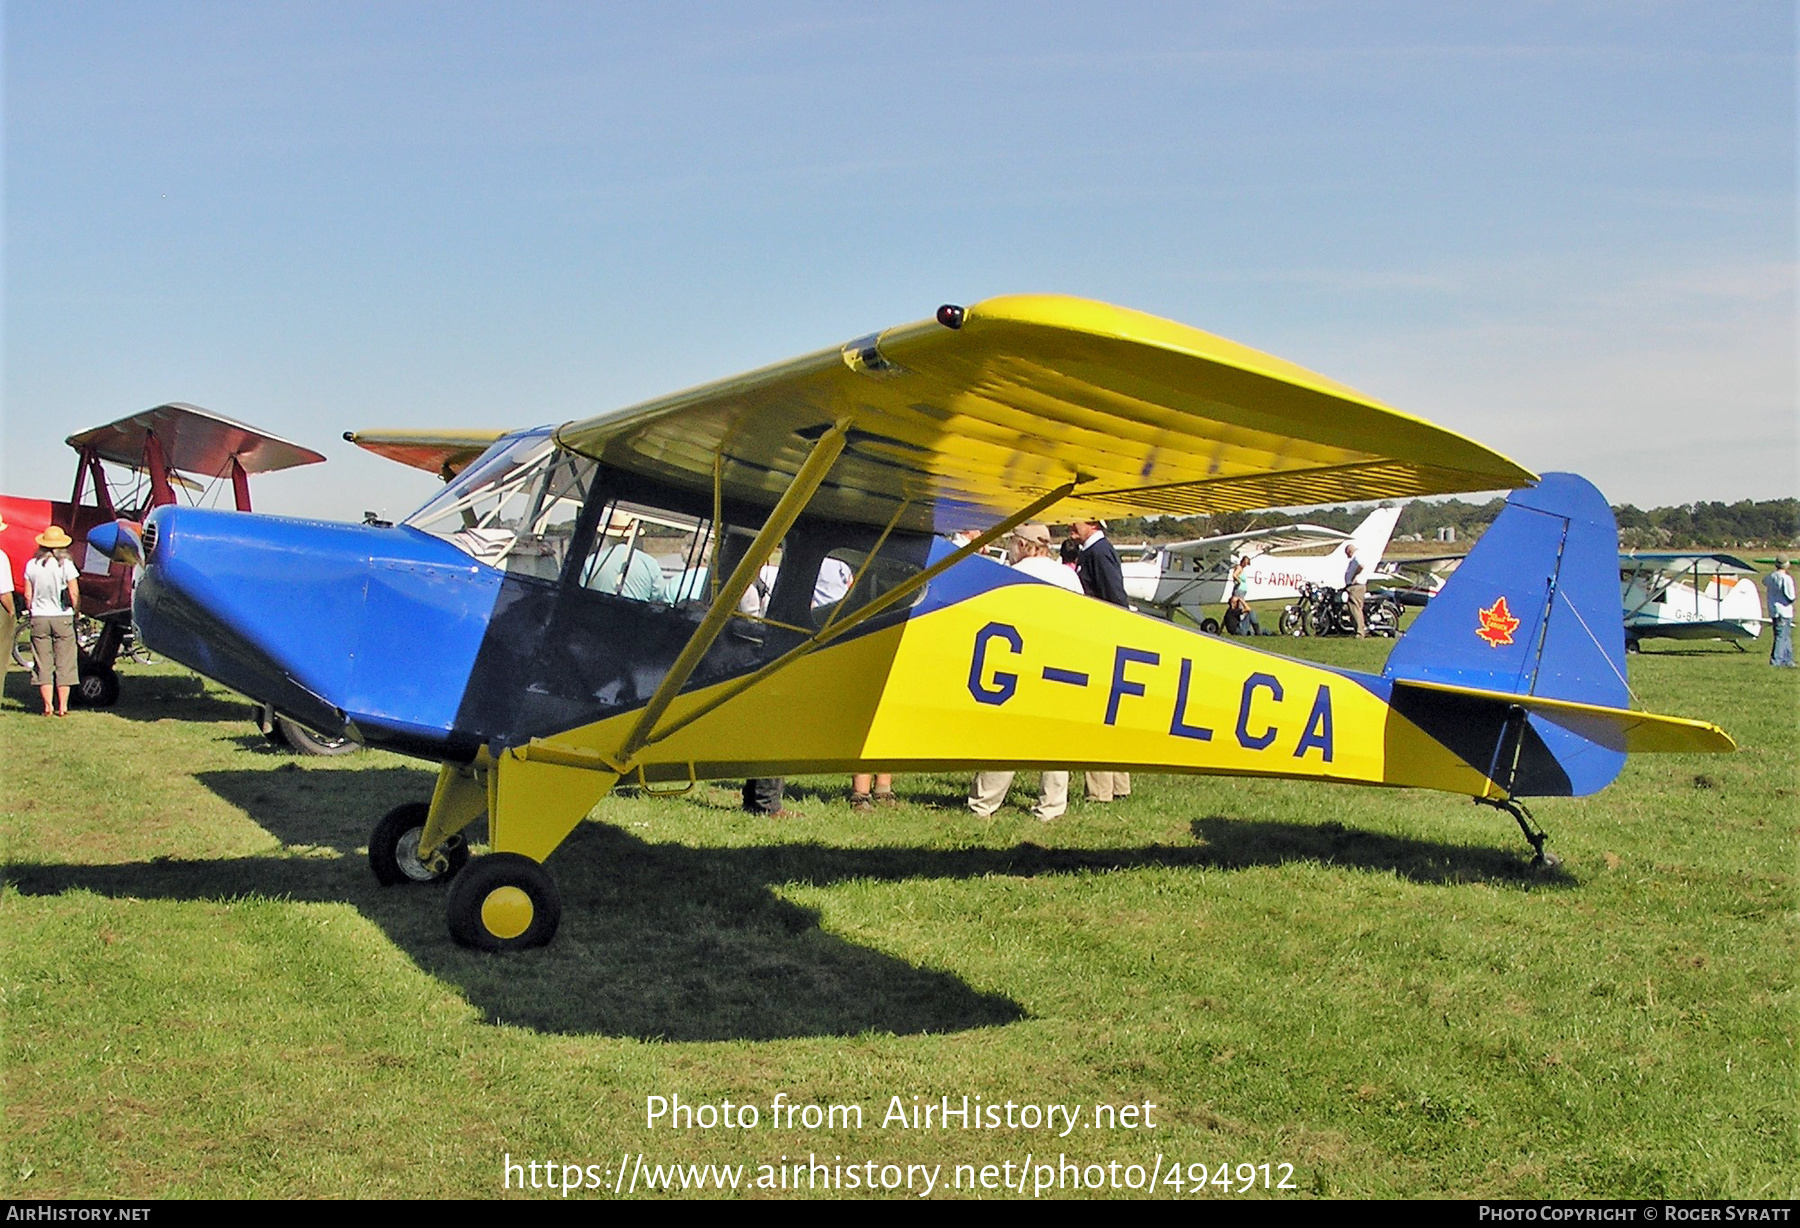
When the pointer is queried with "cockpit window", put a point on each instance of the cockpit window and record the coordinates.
(649, 554)
(515, 508)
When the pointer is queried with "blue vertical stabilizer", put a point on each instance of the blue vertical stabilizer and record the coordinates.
(1534, 610)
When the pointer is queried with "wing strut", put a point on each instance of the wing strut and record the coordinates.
(724, 604)
(831, 631)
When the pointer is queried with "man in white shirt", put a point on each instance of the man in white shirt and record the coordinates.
(1779, 584)
(1355, 590)
(1030, 549)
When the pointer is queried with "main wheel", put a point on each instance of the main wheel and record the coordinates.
(394, 849)
(1210, 626)
(304, 741)
(504, 902)
(98, 687)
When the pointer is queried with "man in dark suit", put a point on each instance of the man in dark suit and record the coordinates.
(1101, 574)
(1103, 577)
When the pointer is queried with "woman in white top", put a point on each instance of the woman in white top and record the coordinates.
(53, 599)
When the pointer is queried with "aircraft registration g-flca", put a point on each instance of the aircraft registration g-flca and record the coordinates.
(509, 632)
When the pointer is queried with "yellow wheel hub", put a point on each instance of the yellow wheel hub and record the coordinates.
(507, 912)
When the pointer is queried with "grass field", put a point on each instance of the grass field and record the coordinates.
(206, 994)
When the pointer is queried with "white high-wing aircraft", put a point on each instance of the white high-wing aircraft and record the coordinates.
(1192, 575)
(1689, 595)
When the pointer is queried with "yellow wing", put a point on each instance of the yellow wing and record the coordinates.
(444, 453)
(966, 421)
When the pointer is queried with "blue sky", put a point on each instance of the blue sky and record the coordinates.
(1567, 230)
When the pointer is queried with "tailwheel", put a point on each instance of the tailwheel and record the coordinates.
(504, 902)
(394, 849)
(1542, 859)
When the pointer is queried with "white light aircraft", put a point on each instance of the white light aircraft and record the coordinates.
(1689, 596)
(1191, 575)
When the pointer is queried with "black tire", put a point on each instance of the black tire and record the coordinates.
(98, 687)
(1210, 626)
(394, 849)
(1631, 645)
(1290, 623)
(303, 741)
(504, 902)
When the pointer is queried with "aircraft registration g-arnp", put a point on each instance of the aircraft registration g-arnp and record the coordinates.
(520, 630)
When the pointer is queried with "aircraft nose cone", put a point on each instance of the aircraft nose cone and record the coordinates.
(118, 540)
(334, 624)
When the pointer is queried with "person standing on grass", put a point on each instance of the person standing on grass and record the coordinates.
(870, 790)
(1102, 576)
(53, 599)
(1030, 551)
(8, 610)
(1780, 587)
(1355, 590)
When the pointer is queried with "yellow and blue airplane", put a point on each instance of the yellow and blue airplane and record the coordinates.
(515, 632)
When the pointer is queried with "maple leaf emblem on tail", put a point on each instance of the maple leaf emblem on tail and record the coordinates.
(1497, 624)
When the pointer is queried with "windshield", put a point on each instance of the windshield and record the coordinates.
(515, 507)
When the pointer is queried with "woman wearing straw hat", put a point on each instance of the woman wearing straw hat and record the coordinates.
(8, 609)
(53, 599)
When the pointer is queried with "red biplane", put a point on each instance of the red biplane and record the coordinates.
(153, 454)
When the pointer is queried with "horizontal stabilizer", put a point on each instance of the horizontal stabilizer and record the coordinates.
(1617, 729)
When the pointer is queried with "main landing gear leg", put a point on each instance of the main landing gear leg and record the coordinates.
(1534, 834)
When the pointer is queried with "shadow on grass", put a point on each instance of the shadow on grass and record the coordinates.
(675, 942)
(149, 697)
(1708, 648)
(1236, 843)
(657, 941)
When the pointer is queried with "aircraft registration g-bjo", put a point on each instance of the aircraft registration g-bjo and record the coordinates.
(507, 632)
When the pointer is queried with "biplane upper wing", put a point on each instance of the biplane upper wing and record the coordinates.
(194, 440)
(1273, 540)
(957, 421)
(445, 453)
(1688, 562)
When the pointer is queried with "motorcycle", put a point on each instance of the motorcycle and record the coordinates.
(1326, 611)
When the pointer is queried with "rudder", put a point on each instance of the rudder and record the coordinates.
(1534, 610)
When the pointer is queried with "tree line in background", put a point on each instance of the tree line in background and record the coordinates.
(1715, 526)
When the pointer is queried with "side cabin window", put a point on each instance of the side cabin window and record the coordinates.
(538, 511)
(849, 579)
(649, 554)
